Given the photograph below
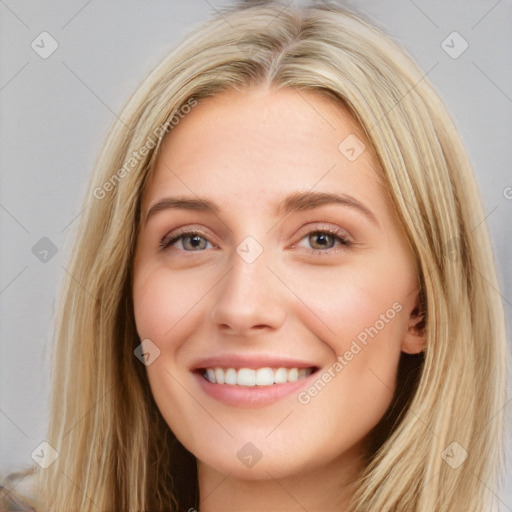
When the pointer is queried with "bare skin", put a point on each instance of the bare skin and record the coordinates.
(307, 295)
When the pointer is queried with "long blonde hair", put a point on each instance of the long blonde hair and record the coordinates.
(116, 452)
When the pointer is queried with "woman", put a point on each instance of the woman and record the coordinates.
(271, 370)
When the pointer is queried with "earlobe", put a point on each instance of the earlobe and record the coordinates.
(414, 339)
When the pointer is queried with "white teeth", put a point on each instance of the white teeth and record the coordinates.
(280, 375)
(246, 377)
(219, 376)
(211, 375)
(229, 376)
(260, 377)
(264, 377)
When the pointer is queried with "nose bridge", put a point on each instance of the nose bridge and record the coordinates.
(249, 295)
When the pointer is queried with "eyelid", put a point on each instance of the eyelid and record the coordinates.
(327, 228)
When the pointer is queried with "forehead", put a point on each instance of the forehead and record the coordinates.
(255, 146)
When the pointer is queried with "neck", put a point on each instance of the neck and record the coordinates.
(328, 488)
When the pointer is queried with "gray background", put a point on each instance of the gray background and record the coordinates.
(56, 111)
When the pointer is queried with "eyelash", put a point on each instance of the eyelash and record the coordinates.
(166, 242)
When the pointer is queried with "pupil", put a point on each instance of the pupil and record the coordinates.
(322, 239)
(196, 241)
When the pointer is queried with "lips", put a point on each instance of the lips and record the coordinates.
(252, 381)
(255, 362)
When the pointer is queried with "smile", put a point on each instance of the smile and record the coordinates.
(253, 387)
(250, 377)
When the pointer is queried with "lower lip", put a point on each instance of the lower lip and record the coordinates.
(255, 396)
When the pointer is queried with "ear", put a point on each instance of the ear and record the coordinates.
(414, 339)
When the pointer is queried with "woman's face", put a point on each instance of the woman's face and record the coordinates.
(274, 284)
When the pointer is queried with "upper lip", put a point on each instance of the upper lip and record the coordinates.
(253, 361)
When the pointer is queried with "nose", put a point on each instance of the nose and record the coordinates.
(249, 299)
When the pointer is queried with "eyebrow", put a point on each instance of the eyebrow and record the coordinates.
(297, 201)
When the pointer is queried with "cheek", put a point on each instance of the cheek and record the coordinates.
(165, 306)
(361, 316)
(161, 299)
(366, 327)
(357, 303)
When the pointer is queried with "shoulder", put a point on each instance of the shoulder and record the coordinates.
(10, 501)
(17, 492)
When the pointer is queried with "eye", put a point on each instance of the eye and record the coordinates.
(322, 240)
(190, 241)
(195, 241)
